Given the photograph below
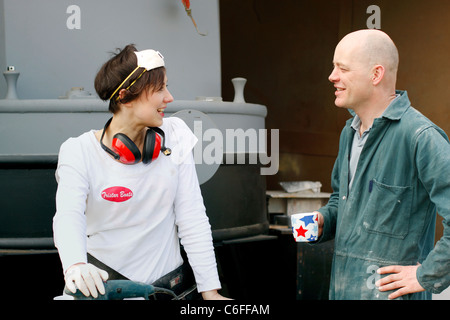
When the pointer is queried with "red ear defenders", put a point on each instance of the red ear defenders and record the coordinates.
(128, 153)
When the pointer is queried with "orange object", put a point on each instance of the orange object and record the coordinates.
(186, 3)
(187, 7)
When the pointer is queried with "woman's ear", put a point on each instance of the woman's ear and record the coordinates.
(122, 95)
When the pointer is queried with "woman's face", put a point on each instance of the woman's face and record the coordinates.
(149, 107)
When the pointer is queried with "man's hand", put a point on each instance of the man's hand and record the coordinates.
(403, 278)
(319, 222)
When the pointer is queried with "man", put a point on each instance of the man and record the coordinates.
(391, 175)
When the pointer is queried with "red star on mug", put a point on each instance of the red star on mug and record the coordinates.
(301, 231)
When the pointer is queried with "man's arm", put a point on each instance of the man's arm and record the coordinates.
(432, 153)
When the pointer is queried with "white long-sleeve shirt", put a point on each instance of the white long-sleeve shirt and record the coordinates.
(131, 217)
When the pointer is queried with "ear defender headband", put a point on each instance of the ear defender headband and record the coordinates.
(126, 151)
(147, 59)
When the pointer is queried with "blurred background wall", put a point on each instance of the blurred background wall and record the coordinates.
(285, 50)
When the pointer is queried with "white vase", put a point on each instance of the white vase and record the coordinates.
(11, 83)
(239, 84)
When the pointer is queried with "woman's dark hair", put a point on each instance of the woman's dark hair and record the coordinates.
(117, 69)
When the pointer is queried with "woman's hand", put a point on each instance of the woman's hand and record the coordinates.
(213, 295)
(87, 278)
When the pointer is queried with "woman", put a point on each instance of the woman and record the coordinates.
(125, 199)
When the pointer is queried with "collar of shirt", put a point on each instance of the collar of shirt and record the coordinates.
(356, 123)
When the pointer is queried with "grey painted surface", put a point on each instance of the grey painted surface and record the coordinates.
(52, 58)
(36, 127)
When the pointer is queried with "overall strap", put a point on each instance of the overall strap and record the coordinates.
(112, 274)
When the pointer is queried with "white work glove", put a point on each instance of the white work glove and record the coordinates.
(87, 278)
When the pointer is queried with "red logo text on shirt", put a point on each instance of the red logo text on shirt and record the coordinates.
(117, 194)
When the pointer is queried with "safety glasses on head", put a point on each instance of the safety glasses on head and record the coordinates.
(148, 59)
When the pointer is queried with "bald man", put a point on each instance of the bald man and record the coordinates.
(391, 176)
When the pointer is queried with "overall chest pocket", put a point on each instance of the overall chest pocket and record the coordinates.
(388, 210)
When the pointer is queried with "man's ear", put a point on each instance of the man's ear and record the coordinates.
(377, 74)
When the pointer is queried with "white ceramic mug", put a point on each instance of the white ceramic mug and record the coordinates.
(305, 227)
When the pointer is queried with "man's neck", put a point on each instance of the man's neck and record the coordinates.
(372, 110)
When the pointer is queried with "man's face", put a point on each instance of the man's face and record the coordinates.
(351, 76)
